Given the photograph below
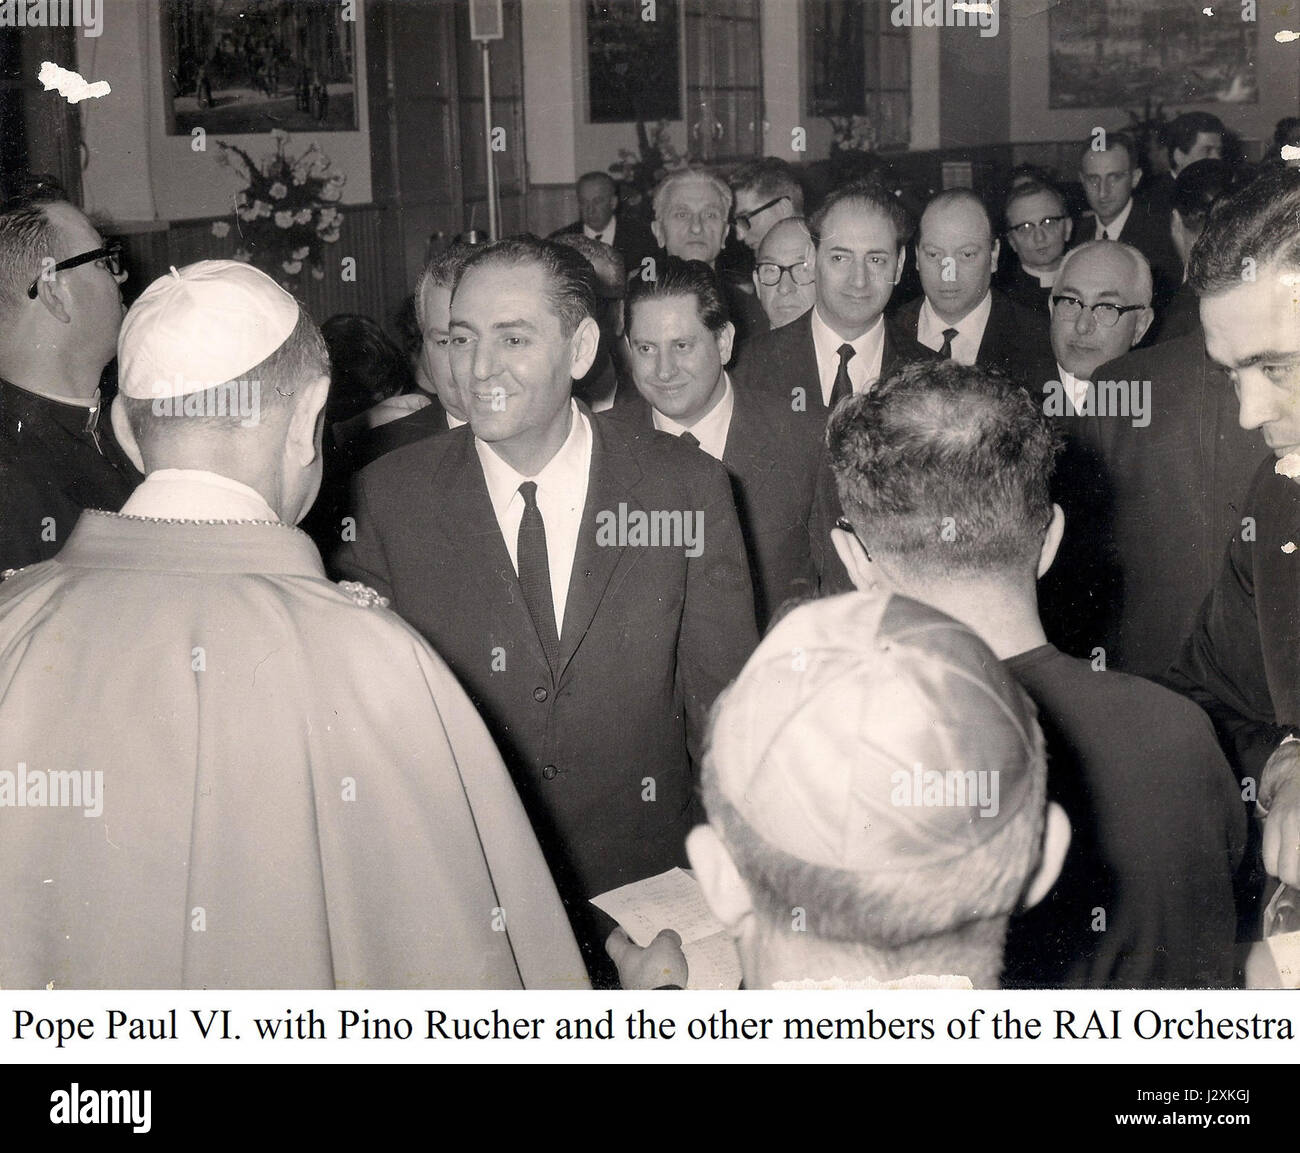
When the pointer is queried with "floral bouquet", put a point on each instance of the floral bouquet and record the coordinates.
(640, 172)
(287, 211)
(852, 133)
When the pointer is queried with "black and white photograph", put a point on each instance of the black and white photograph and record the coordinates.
(776, 516)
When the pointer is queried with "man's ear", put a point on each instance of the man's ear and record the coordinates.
(902, 262)
(1145, 317)
(51, 294)
(997, 251)
(725, 891)
(1056, 843)
(1137, 177)
(854, 558)
(726, 339)
(1051, 540)
(1069, 228)
(658, 230)
(301, 439)
(583, 346)
(125, 434)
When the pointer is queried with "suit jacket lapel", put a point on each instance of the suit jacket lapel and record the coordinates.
(613, 480)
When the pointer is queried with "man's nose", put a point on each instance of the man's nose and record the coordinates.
(859, 274)
(485, 361)
(1085, 322)
(786, 285)
(1259, 403)
(665, 366)
(697, 224)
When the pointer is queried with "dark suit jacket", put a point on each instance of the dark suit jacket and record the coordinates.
(601, 748)
(632, 237)
(1147, 230)
(1179, 486)
(1014, 338)
(377, 442)
(1024, 290)
(784, 359)
(1181, 315)
(772, 457)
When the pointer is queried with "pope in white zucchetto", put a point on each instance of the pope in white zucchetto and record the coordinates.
(218, 769)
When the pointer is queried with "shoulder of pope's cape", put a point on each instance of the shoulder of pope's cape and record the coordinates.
(363, 595)
(10, 572)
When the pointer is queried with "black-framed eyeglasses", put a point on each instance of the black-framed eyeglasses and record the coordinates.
(110, 254)
(1106, 315)
(745, 219)
(1027, 228)
(770, 273)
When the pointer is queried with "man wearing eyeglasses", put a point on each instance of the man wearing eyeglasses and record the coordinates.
(783, 276)
(767, 192)
(1101, 306)
(1038, 228)
(60, 311)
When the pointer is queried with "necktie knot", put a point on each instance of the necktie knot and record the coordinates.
(690, 438)
(945, 349)
(528, 490)
(847, 353)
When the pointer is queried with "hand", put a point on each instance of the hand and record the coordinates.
(662, 962)
(1282, 825)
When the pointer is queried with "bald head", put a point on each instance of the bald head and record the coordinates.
(785, 254)
(956, 253)
(1101, 272)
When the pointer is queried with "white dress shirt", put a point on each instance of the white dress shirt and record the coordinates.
(1076, 390)
(561, 496)
(864, 367)
(196, 494)
(453, 421)
(711, 429)
(605, 237)
(1045, 279)
(970, 329)
(1116, 226)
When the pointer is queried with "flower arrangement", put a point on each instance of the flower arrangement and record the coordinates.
(639, 172)
(287, 210)
(852, 133)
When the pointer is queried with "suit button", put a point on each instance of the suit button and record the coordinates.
(540, 694)
(550, 772)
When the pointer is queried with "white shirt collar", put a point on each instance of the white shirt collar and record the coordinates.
(561, 496)
(711, 429)
(1116, 226)
(1076, 390)
(196, 494)
(1045, 279)
(607, 236)
(970, 329)
(453, 421)
(864, 367)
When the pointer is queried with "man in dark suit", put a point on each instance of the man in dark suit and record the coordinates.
(600, 219)
(1109, 177)
(1190, 137)
(960, 316)
(680, 338)
(586, 581)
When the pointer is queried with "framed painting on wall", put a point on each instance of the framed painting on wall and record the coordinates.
(247, 66)
(1105, 53)
(634, 65)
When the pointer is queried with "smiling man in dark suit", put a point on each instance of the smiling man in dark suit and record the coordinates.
(842, 344)
(961, 317)
(679, 336)
(586, 581)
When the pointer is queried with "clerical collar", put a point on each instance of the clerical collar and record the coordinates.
(196, 494)
(88, 404)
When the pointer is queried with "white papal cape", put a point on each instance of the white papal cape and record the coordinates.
(294, 791)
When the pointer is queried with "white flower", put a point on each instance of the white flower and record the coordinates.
(220, 228)
(278, 191)
(283, 219)
(299, 253)
(331, 192)
(260, 208)
(292, 267)
(330, 237)
(303, 216)
(317, 273)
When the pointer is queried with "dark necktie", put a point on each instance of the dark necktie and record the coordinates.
(690, 438)
(535, 572)
(843, 385)
(1105, 234)
(945, 349)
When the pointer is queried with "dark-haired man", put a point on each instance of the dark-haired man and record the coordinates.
(587, 581)
(60, 310)
(1109, 177)
(679, 338)
(766, 191)
(943, 472)
(1188, 138)
(296, 792)
(1242, 659)
(1038, 228)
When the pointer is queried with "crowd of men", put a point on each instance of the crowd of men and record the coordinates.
(953, 636)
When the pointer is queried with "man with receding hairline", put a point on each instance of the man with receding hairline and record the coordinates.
(600, 218)
(783, 275)
(60, 310)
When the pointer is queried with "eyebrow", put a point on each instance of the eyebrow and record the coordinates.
(1065, 289)
(1257, 358)
(868, 252)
